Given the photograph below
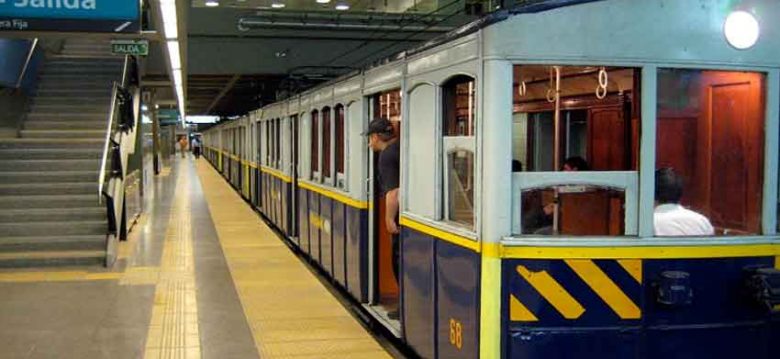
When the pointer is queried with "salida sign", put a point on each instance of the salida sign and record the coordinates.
(130, 47)
(70, 15)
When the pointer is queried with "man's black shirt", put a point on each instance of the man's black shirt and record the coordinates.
(389, 161)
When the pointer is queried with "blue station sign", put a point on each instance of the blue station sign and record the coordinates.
(70, 15)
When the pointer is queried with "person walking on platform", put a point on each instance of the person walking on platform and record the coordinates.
(196, 146)
(381, 139)
(183, 146)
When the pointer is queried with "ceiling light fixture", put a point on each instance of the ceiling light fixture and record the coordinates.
(741, 29)
(342, 6)
(212, 3)
(276, 4)
(323, 1)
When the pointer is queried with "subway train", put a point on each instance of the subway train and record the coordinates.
(503, 253)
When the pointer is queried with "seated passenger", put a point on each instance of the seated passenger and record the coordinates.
(539, 220)
(575, 163)
(670, 218)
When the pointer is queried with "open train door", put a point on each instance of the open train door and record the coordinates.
(384, 292)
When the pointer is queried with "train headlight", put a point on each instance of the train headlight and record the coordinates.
(741, 30)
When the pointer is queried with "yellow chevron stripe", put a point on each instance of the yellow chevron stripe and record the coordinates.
(553, 292)
(518, 312)
(609, 292)
(633, 267)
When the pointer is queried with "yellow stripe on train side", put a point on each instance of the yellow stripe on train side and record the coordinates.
(518, 312)
(641, 252)
(440, 234)
(277, 174)
(334, 195)
(605, 288)
(553, 292)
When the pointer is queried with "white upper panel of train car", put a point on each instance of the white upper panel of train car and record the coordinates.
(630, 31)
(383, 78)
(348, 88)
(444, 56)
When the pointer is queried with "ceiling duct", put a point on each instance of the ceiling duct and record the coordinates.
(351, 21)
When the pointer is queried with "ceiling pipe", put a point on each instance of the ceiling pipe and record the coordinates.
(351, 21)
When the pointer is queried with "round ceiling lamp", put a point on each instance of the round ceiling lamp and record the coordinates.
(741, 29)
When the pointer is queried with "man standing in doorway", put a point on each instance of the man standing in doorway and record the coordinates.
(381, 139)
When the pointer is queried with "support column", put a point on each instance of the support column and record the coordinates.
(496, 201)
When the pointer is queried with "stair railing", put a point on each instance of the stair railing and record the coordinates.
(27, 62)
(119, 145)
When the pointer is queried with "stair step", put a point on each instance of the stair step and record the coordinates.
(50, 214)
(22, 229)
(52, 258)
(49, 165)
(50, 154)
(20, 189)
(65, 125)
(50, 177)
(82, 133)
(92, 106)
(57, 116)
(52, 243)
(102, 99)
(52, 142)
(49, 201)
(70, 93)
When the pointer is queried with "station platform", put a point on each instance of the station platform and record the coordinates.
(201, 276)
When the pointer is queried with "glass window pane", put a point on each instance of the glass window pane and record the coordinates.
(326, 142)
(573, 211)
(460, 181)
(710, 134)
(315, 142)
(340, 139)
(599, 125)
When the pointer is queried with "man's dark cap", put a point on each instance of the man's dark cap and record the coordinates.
(379, 126)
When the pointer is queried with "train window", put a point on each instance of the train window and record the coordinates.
(340, 154)
(315, 143)
(267, 125)
(421, 174)
(278, 150)
(458, 144)
(326, 146)
(710, 131)
(573, 210)
(597, 121)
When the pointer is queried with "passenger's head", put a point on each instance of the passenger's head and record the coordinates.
(517, 166)
(575, 163)
(380, 133)
(668, 186)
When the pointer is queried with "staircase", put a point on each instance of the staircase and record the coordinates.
(49, 205)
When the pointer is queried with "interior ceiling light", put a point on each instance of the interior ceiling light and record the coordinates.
(212, 3)
(741, 30)
(323, 1)
(342, 5)
(276, 4)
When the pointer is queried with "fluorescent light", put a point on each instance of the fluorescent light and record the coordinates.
(342, 5)
(323, 1)
(170, 25)
(174, 54)
(212, 3)
(741, 30)
(177, 78)
(202, 119)
(277, 4)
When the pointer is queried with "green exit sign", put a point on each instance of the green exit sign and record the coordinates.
(130, 47)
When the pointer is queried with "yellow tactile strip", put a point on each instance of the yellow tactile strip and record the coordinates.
(290, 313)
(173, 331)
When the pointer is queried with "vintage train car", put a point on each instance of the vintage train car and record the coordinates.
(504, 251)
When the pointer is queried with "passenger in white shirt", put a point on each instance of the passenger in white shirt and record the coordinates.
(670, 218)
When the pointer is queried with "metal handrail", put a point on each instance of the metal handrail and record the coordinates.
(27, 62)
(111, 115)
(124, 70)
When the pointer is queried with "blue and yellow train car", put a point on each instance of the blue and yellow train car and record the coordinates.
(578, 178)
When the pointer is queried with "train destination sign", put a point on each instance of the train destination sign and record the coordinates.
(116, 16)
(130, 47)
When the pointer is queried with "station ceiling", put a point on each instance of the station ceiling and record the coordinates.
(242, 54)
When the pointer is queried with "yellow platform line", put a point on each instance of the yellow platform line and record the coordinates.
(633, 267)
(605, 288)
(291, 314)
(173, 331)
(553, 292)
(518, 312)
